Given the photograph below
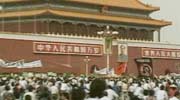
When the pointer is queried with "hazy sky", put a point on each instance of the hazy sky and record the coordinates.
(170, 11)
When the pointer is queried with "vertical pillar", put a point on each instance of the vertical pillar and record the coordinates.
(19, 21)
(41, 27)
(159, 35)
(19, 24)
(75, 29)
(47, 26)
(138, 34)
(2, 23)
(151, 35)
(35, 25)
(127, 34)
(123, 33)
(59, 30)
(87, 28)
(62, 28)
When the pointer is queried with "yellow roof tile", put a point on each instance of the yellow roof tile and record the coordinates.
(102, 17)
(21, 13)
(132, 4)
(7, 1)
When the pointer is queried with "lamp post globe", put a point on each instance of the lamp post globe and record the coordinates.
(108, 36)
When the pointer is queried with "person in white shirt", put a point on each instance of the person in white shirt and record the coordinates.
(7, 94)
(65, 87)
(23, 82)
(111, 94)
(54, 91)
(131, 89)
(156, 88)
(111, 83)
(138, 92)
(175, 97)
(146, 86)
(124, 90)
(2, 85)
(161, 94)
(87, 86)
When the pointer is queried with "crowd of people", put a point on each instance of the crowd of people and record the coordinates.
(89, 88)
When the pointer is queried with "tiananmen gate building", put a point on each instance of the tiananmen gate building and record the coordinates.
(57, 35)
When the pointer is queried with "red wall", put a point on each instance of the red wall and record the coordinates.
(13, 50)
(159, 65)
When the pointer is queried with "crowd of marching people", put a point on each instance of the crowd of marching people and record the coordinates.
(89, 88)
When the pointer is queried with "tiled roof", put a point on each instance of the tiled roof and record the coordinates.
(94, 16)
(8, 1)
(130, 4)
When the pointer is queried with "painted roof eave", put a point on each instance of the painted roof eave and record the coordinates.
(135, 4)
(139, 5)
(96, 16)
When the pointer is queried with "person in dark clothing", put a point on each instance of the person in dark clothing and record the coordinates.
(97, 89)
(18, 91)
(28, 97)
(78, 94)
(43, 93)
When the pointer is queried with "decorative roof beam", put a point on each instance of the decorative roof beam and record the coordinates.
(94, 16)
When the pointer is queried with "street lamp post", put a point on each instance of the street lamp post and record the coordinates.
(86, 60)
(108, 38)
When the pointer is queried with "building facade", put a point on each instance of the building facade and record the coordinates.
(61, 33)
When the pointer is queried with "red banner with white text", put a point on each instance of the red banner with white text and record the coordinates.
(67, 48)
(161, 53)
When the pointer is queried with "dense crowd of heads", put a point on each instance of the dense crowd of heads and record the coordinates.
(88, 88)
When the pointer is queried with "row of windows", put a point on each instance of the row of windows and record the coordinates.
(91, 30)
(80, 29)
